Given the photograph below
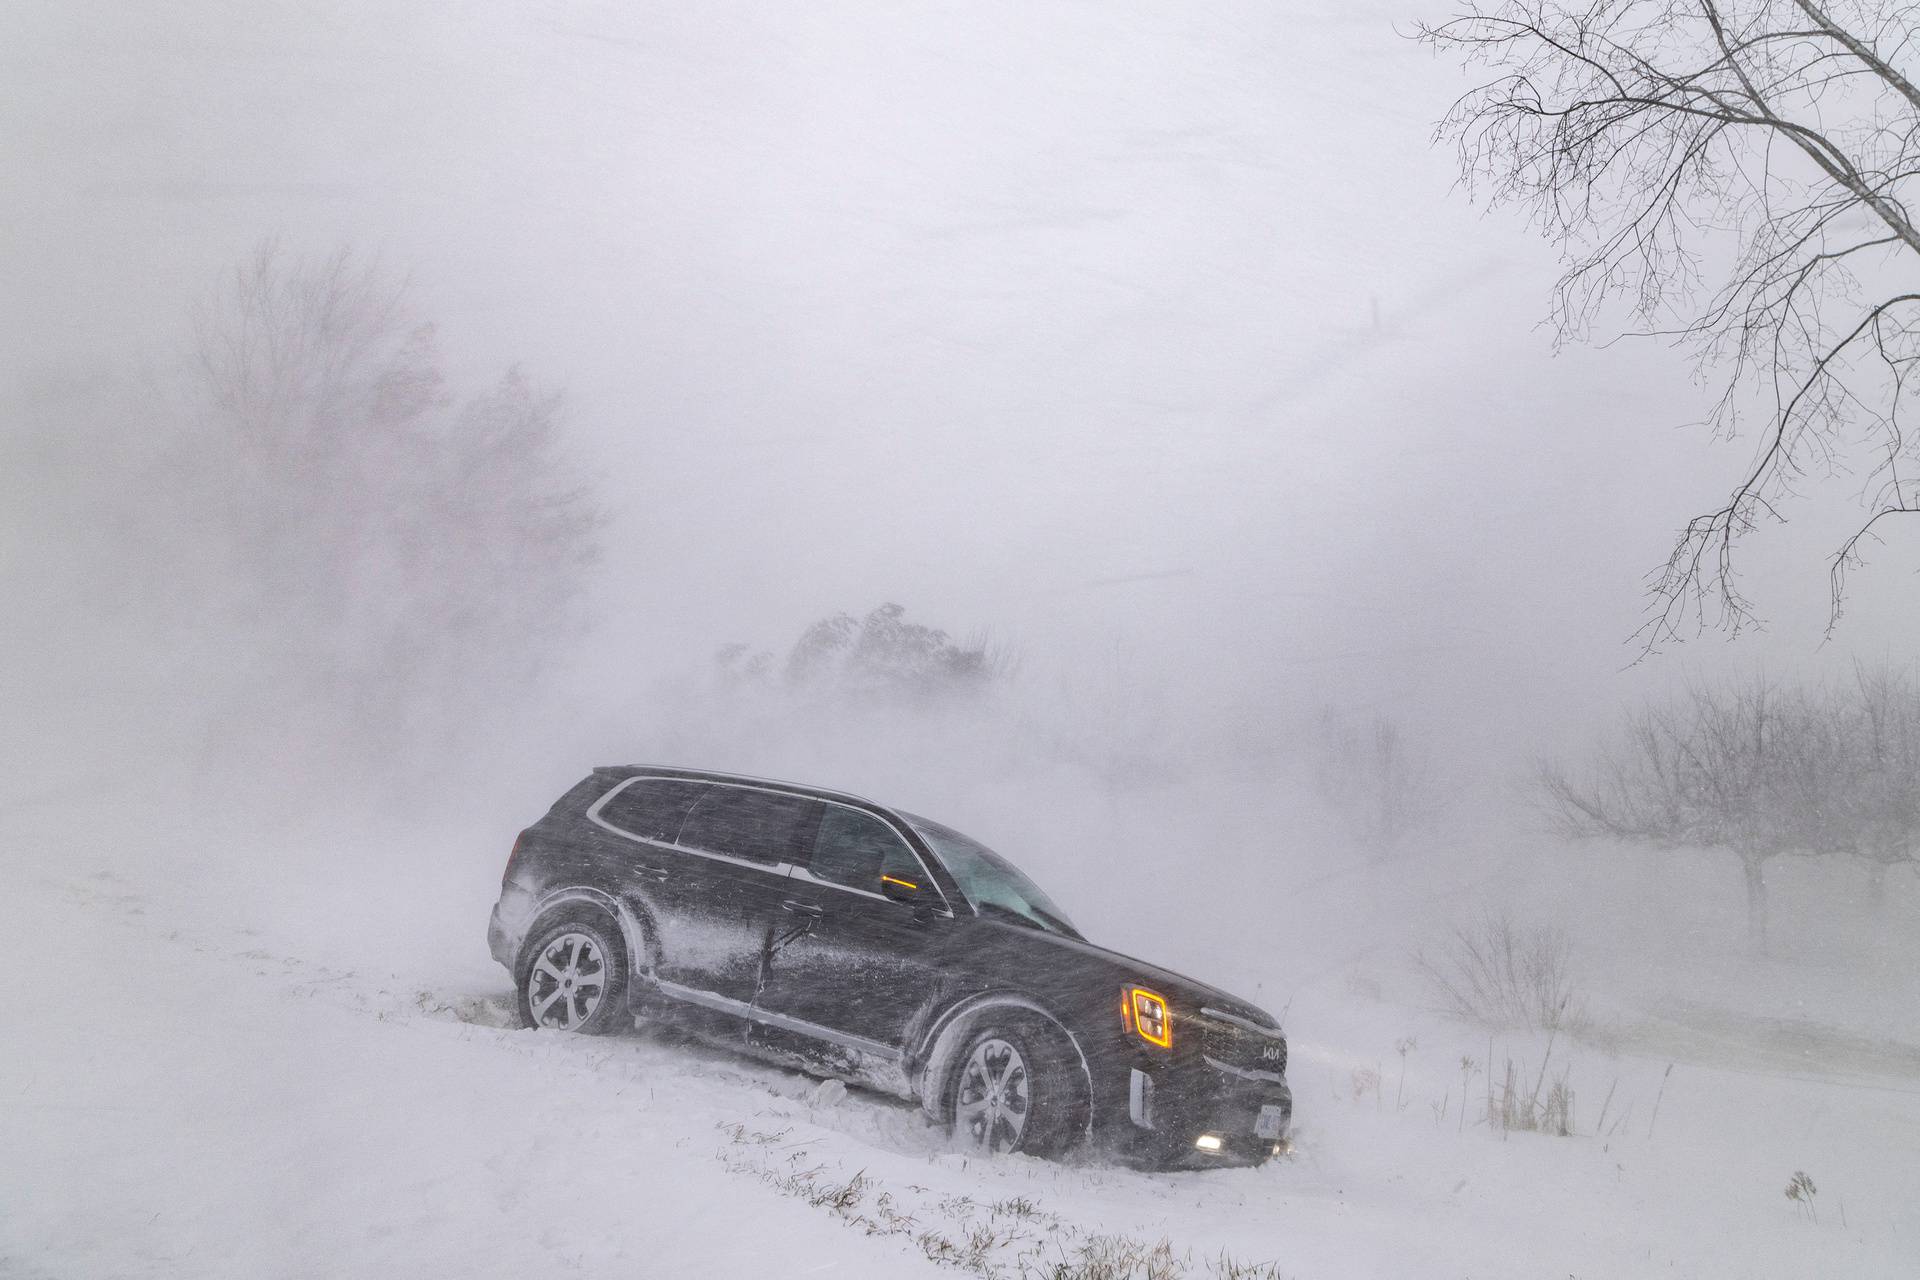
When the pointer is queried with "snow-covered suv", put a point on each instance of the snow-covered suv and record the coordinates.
(868, 944)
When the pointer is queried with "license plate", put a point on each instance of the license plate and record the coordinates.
(1270, 1123)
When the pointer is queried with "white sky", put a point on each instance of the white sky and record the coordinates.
(1151, 326)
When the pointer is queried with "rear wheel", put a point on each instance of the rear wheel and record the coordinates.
(574, 978)
(1014, 1091)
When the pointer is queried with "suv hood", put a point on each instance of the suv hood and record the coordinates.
(1088, 961)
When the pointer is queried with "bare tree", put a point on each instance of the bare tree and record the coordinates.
(1377, 780)
(1883, 773)
(390, 558)
(1738, 174)
(1760, 770)
(1699, 773)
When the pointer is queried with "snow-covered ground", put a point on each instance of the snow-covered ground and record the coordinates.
(240, 1051)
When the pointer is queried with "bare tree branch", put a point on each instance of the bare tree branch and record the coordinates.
(1773, 143)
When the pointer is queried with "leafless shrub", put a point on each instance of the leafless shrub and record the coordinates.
(1801, 1191)
(881, 657)
(1505, 976)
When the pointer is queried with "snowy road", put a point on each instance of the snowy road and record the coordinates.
(194, 1083)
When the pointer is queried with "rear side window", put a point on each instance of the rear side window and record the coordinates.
(760, 826)
(652, 808)
(855, 849)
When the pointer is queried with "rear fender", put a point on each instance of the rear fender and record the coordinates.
(635, 930)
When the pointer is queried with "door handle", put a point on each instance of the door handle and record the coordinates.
(655, 873)
(802, 908)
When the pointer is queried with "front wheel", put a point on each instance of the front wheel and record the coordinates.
(574, 979)
(1013, 1092)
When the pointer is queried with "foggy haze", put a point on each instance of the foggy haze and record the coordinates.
(1168, 331)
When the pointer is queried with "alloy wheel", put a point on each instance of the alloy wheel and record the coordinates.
(567, 981)
(995, 1096)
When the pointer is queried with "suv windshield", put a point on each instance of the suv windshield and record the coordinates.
(992, 884)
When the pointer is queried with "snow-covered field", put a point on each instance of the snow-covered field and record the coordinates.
(235, 1050)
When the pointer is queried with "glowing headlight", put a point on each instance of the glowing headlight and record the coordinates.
(1145, 1012)
(1208, 1142)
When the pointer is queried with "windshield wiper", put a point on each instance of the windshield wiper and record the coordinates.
(1060, 923)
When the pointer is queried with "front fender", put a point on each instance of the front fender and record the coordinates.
(933, 1063)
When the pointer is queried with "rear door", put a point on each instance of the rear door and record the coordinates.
(710, 864)
(736, 846)
(863, 965)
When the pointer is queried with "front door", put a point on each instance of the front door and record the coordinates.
(859, 966)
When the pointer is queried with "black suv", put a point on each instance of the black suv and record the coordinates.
(865, 943)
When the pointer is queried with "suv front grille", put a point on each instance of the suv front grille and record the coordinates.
(1239, 1048)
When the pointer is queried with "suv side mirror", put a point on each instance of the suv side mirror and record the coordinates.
(898, 890)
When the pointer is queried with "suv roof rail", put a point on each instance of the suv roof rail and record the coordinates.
(721, 775)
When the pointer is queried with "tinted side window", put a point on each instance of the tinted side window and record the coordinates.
(652, 808)
(856, 849)
(760, 826)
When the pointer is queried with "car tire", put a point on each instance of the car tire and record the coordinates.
(1015, 1087)
(573, 977)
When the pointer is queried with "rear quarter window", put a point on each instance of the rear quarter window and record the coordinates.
(759, 826)
(651, 808)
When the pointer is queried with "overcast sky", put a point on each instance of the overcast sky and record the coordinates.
(1157, 327)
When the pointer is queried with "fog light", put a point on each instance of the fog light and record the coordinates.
(1208, 1142)
(1282, 1148)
